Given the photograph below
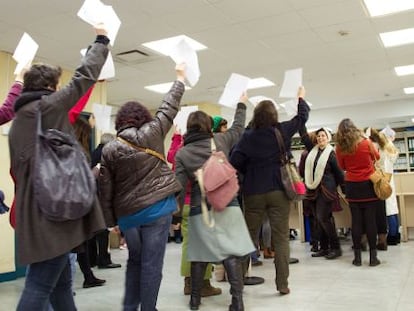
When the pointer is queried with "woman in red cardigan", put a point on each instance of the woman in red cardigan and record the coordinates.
(355, 155)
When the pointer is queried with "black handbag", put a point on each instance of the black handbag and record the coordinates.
(63, 183)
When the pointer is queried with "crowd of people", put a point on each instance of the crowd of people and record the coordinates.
(140, 194)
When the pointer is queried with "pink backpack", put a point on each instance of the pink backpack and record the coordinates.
(218, 182)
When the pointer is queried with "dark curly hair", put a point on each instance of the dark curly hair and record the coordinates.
(348, 136)
(40, 77)
(132, 114)
(199, 121)
(264, 115)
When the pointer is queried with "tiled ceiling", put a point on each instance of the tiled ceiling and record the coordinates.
(335, 42)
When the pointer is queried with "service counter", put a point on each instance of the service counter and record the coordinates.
(404, 188)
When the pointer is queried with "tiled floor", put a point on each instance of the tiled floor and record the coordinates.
(315, 283)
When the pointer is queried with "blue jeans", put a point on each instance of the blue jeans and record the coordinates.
(146, 248)
(48, 280)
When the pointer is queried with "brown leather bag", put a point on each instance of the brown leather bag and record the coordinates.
(380, 179)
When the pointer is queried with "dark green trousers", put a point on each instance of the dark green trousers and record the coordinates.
(276, 206)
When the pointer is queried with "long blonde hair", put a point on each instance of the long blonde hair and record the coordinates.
(383, 142)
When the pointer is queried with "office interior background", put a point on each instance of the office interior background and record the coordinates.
(349, 70)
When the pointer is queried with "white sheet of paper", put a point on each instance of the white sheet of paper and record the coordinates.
(184, 53)
(291, 107)
(257, 99)
(235, 86)
(24, 52)
(108, 69)
(94, 12)
(182, 116)
(291, 83)
(102, 115)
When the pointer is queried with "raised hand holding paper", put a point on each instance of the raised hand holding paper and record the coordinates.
(291, 82)
(235, 86)
(24, 53)
(184, 53)
(181, 118)
(102, 115)
(94, 12)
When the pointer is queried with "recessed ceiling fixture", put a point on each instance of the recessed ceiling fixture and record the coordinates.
(404, 70)
(164, 46)
(398, 37)
(259, 83)
(383, 7)
(409, 90)
(162, 88)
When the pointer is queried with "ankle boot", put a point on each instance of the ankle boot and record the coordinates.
(234, 271)
(267, 253)
(382, 242)
(198, 270)
(357, 258)
(187, 285)
(373, 260)
(208, 290)
(334, 253)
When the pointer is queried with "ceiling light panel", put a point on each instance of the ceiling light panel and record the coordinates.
(162, 88)
(398, 37)
(404, 70)
(164, 46)
(409, 90)
(383, 7)
(259, 83)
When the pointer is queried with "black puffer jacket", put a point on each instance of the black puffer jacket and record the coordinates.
(132, 180)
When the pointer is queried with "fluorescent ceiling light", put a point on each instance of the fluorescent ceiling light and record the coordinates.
(383, 7)
(412, 120)
(164, 46)
(409, 90)
(398, 37)
(404, 70)
(162, 88)
(259, 82)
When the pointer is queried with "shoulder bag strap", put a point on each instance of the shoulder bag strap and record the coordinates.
(209, 221)
(371, 150)
(146, 150)
(213, 145)
(283, 154)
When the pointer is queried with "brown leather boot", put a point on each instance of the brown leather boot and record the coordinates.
(267, 253)
(382, 242)
(187, 285)
(208, 290)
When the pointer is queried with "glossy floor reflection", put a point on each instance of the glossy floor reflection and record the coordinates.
(315, 283)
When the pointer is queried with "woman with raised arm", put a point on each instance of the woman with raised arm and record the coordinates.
(229, 240)
(42, 243)
(137, 191)
(258, 157)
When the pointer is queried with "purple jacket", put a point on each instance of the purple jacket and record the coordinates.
(7, 109)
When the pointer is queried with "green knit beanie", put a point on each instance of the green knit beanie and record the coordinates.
(216, 123)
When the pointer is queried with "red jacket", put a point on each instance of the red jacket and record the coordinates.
(359, 165)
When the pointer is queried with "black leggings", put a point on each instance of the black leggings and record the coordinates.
(364, 220)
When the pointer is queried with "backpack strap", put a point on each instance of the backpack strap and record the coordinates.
(146, 150)
(209, 221)
(213, 145)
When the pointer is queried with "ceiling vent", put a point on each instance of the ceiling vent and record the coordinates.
(133, 57)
